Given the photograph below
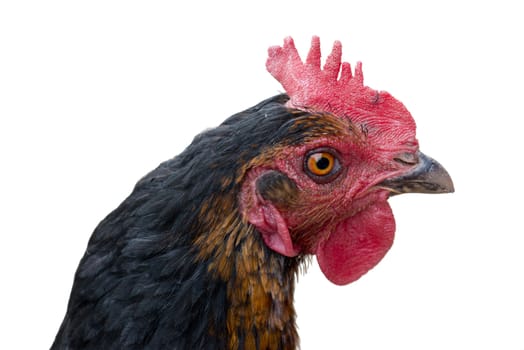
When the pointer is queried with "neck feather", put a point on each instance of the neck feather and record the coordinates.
(260, 283)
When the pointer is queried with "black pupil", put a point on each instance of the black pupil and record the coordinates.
(323, 163)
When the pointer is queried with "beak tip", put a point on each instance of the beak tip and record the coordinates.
(439, 176)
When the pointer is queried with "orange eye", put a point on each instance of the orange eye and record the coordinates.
(322, 166)
(321, 163)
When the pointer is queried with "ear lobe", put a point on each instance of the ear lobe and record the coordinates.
(272, 226)
(262, 194)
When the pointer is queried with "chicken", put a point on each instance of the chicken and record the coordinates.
(204, 252)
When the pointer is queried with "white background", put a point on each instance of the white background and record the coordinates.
(95, 94)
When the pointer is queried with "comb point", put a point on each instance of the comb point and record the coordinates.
(313, 57)
(333, 88)
(332, 65)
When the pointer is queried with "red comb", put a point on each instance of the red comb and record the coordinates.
(332, 89)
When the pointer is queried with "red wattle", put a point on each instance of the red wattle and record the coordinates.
(357, 244)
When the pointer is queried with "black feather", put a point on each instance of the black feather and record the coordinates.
(141, 283)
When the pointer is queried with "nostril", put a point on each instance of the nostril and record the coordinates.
(406, 158)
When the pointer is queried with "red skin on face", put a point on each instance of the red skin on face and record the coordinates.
(358, 227)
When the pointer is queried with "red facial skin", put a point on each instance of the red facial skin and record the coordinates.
(353, 226)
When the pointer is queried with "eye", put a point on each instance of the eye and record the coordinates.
(322, 165)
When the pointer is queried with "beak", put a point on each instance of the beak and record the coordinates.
(428, 176)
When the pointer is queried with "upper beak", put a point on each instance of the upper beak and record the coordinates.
(428, 176)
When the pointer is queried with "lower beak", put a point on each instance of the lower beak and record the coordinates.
(428, 176)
